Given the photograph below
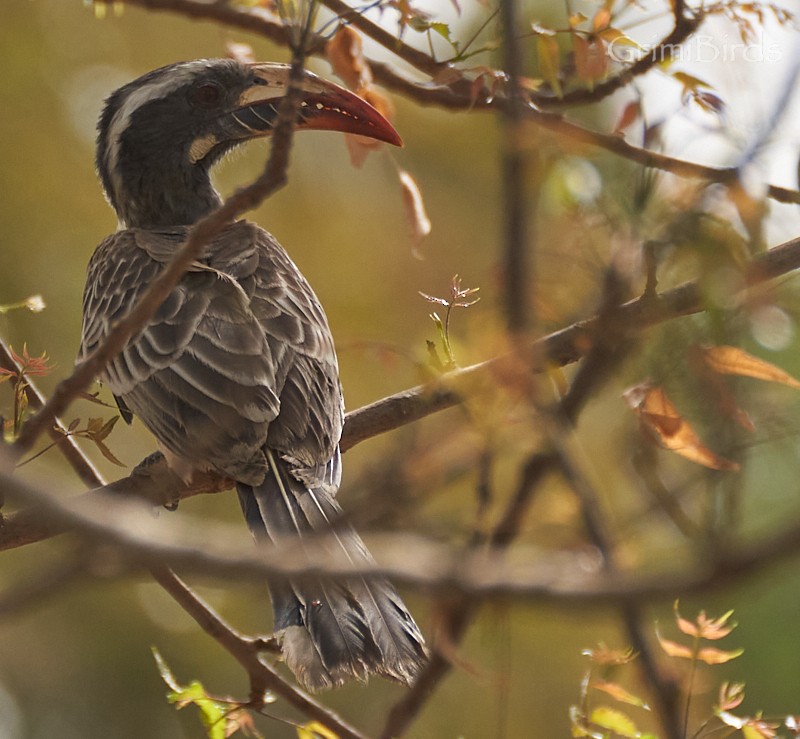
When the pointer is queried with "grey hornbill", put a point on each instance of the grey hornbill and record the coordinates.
(236, 372)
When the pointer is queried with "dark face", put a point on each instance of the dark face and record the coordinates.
(159, 135)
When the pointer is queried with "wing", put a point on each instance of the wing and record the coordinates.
(239, 354)
(309, 425)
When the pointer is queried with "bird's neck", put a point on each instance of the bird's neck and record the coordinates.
(169, 192)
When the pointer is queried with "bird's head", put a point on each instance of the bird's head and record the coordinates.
(159, 135)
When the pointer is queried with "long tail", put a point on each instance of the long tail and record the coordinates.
(330, 630)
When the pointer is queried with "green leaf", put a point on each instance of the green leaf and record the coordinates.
(712, 656)
(614, 720)
(212, 713)
(106, 429)
(443, 29)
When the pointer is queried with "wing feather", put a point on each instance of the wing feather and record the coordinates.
(239, 355)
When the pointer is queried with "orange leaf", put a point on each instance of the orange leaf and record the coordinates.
(591, 60)
(730, 360)
(713, 656)
(616, 691)
(705, 627)
(673, 649)
(604, 655)
(346, 56)
(601, 19)
(758, 728)
(660, 417)
(731, 695)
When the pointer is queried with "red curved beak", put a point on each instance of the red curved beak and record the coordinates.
(324, 106)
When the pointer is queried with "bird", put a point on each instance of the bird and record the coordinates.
(237, 372)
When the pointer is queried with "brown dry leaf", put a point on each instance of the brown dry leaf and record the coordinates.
(418, 221)
(591, 60)
(718, 389)
(661, 418)
(345, 53)
(731, 360)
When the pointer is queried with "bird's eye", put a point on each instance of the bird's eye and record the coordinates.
(207, 95)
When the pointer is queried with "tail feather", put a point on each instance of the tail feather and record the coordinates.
(331, 630)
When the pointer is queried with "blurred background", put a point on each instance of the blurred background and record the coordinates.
(79, 664)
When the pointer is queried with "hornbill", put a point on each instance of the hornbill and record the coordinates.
(236, 372)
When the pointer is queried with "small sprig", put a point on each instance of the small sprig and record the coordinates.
(459, 298)
(96, 430)
(702, 628)
(26, 366)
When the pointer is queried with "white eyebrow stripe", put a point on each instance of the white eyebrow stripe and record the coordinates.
(159, 88)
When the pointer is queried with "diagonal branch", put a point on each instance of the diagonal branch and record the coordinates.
(263, 677)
